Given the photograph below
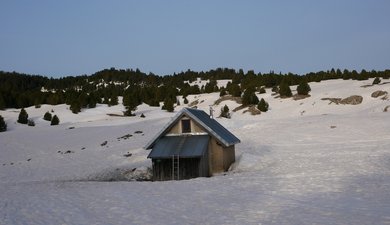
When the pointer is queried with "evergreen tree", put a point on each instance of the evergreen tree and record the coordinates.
(131, 105)
(168, 105)
(128, 112)
(3, 125)
(185, 101)
(262, 90)
(106, 100)
(284, 90)
(75, 107)
(249, 97)
(222, 92)
(263, 105)
(2, 102)
(234, 90)
(55, 120)
(225, 112)
(303, 88)
(275, 89)
(113, 100)
(92, 100)
(47, 116)
(376, 80)
(23, 117)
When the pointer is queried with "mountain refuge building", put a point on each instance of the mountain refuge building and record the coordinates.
(191, 145)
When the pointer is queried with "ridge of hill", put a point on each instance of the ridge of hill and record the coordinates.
(22, 90)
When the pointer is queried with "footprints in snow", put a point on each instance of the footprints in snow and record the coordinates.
(19, 163)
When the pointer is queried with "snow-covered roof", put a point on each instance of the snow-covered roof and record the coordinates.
(211, 126)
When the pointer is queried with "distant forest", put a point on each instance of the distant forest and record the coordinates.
(22, 90)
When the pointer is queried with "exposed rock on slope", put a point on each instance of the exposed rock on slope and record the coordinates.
(379, 93)
(253, 110)
(351, 100)
(228, 97)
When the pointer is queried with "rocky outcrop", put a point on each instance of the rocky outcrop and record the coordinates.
(379, 93)
(351, 100)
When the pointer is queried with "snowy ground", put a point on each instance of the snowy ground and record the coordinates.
(303, 162)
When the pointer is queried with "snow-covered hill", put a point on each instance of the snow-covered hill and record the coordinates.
(304, 161)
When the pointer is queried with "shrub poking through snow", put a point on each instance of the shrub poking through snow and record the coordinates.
(31, 123)
(142, 115)
(47, 116)
(128, 112)
(3, 125)
(275, 89)
(263, 105)
(225, 112)
(23, 117)
(55, 120)
(262, 90)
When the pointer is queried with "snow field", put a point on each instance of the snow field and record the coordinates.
(328, 165)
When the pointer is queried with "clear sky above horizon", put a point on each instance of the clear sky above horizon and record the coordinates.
(63, 38)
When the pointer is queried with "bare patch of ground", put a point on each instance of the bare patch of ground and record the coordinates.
(228, 97)
(379, 93)
(194, 103)
(113, 114)
(299, 97)
(370, 85)
(351, 100)
(253, 110)
(239, 108)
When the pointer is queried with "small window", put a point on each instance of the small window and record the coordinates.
(186, 126)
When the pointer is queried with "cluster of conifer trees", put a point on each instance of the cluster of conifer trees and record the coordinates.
(22, 90)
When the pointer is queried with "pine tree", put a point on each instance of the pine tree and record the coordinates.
(263, 105)
(75, 107)
(262, 90)
(284, 90)
(3, 125)
(249, 97)
(234, 90)
(131, 105)
(92, 101)
(376, 80)
(23, 117)
(113, 100)
(168, 105)
(225, 112)
(47, 116)
(185, 101)
(55, 120)
(275, 89)
(222, 92)
(303, 88)
(2, 102)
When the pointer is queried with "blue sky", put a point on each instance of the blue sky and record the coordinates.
(62, 38)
